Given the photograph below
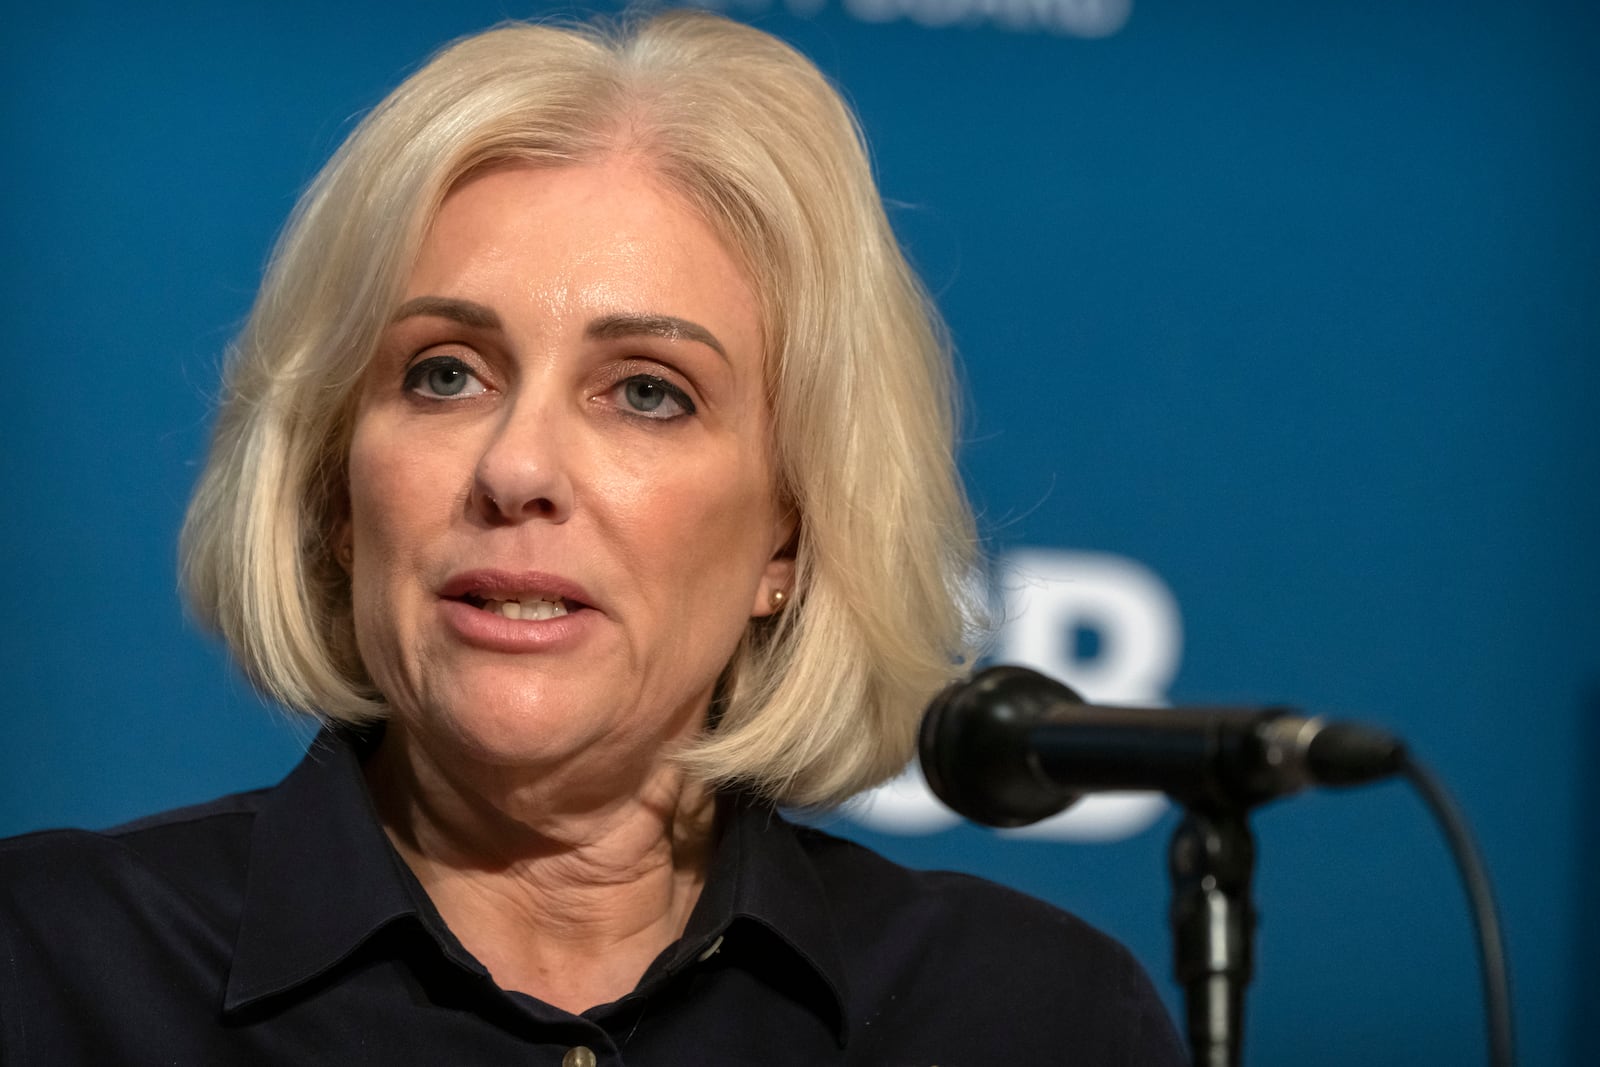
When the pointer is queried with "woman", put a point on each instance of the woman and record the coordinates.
(586, 465)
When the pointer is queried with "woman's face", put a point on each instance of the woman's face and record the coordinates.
(562, 505)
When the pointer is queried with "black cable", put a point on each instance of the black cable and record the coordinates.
(1485, 920)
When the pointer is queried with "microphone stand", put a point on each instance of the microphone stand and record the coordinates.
(1212, 857)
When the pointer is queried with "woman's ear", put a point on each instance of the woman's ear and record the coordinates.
(776, 588)
(777, 581)
(340, 543)
(343, 545)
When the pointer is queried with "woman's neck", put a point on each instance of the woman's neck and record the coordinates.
(563, 892)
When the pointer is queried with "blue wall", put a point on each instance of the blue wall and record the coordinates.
(1291, 304)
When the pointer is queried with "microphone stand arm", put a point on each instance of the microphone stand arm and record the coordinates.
(1212, 858)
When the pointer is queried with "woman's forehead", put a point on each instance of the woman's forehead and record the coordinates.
(611, 236)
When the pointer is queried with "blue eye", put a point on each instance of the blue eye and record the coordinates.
(443, 377)
(655, 398)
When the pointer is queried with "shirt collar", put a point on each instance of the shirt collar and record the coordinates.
(323, 879)
(761, 876)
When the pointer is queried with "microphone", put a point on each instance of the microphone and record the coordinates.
(1011, 746)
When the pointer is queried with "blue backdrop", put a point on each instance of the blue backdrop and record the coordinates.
(1279, 319)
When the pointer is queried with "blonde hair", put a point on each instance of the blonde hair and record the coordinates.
(817, 703)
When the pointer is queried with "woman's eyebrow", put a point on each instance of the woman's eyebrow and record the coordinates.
(465, 312)
(669, 327)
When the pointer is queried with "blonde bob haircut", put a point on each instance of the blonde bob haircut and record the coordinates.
(817, 703)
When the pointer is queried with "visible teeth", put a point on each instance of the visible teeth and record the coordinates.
(543, 609)
(527, 609)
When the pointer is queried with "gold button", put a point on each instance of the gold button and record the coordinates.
(579, 1056)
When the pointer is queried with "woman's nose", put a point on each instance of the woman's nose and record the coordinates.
(521, 473)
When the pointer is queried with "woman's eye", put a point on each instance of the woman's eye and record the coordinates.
(444, 377)
(654, 397)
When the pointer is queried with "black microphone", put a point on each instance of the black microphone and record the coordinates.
(1010, 747)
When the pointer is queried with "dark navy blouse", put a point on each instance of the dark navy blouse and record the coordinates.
(280, 927)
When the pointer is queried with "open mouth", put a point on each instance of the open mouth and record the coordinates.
(529, 607)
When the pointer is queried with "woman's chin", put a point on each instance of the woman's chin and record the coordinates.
(510, 729)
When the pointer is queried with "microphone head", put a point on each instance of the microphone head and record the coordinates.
(974, 747)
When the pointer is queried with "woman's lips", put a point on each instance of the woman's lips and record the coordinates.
(486, 584)
(497, 633)
(505, 611)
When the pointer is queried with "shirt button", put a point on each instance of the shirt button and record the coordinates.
(579, 1056)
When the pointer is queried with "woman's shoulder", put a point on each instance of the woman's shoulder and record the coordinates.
(872, 889)
(953, 954)
(198, 852)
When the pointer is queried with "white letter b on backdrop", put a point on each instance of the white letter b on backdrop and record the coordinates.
(1105, 625)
